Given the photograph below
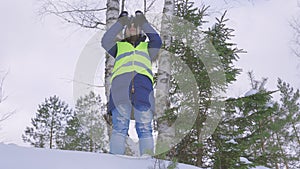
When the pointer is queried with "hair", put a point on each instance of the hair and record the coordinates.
(126, 27)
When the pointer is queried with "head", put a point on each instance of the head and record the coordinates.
(132, 31)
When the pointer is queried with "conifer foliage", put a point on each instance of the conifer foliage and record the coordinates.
(48, 127)
(253, 130)
(243, 132)
(285, 137)
(57, 126)
(193, 48)
(86, 131)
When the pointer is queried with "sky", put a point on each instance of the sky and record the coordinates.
(263, 31)
(41, 55)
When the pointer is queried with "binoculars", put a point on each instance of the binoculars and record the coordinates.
(136, 20)
(133, 20)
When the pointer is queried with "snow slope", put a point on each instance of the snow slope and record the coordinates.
(15, 157)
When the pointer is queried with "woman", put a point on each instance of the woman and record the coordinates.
(132, 80)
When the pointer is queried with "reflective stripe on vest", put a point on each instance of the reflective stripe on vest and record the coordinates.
(130, 58)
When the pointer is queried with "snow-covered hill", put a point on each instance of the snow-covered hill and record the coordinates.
(15, 157)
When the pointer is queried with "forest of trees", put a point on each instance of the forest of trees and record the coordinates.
(255, 126)
(57, 126)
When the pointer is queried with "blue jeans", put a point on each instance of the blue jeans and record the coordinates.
(121, 118)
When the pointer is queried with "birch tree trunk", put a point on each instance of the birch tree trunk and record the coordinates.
(165, 132)
(112, 14)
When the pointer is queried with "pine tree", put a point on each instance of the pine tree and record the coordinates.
(48, 127)
(285, 133)
(86, 131)
(76, 139)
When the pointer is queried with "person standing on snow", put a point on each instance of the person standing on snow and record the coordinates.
(132, 80)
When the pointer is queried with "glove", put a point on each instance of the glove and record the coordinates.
(123, 18)
(140, 18)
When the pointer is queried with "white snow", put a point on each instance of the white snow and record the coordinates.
(251, 92)
(260, 167)
(232, 141)
(245, 160)
(15, 157)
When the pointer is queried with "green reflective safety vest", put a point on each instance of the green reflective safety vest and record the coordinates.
(130, 59)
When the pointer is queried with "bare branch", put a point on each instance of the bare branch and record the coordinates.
(2, 97)
(86, 15)
(148, 8)
(3, 116)
(145, 6)
(84, 83)
(296, 52)
(295, 25)
(122, 5)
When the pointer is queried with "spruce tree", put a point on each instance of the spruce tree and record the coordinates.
(256, 128)
(244, 130)
(191, 48)
(48, 127)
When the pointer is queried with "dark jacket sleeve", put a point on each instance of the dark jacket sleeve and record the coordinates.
(108, 40)
(155, 42)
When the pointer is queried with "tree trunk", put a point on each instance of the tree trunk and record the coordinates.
(282, 155)
(91, 142)
(112, 14)
(200, 149)
(51, 133)
(123, 5)
(145, 6)
(296, 132)
(165, 132)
